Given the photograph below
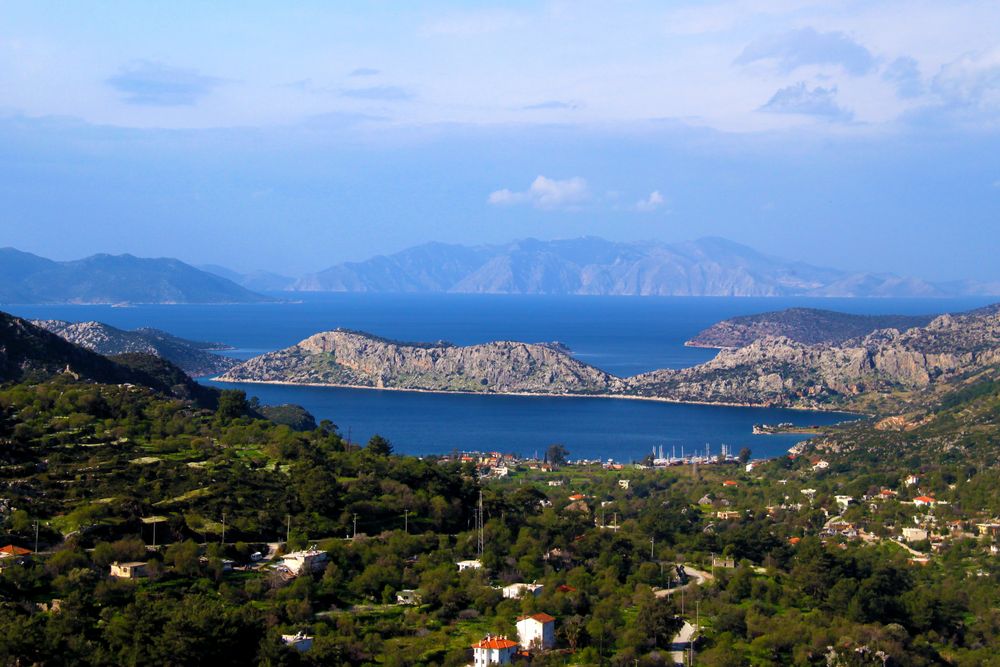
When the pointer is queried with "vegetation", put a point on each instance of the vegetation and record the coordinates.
(797, 560)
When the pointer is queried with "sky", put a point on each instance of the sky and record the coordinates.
(292, 136)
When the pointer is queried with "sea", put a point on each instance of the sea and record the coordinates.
(621, 335)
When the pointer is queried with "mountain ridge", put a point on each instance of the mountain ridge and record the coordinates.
(104, 278)
(709, 266)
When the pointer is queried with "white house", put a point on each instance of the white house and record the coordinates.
(128, 570)
(493, 651)
(624, 483)
(407, 596)
(299, 641)
(843, 501)
(537, 631)
(912, 480)
(468, 565)
(304, 562)
(914, 534)
(514, 591)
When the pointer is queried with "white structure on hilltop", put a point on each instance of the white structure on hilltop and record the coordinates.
(493, 651)
(537, 631)
(514, 591)
(303, 562)
(468, 565)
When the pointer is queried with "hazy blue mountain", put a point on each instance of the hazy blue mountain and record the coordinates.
(27, 278)
(706, 267)
(258, 281)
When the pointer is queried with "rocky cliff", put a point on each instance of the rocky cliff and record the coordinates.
(344, 357)
(191, 356)
(769, 371)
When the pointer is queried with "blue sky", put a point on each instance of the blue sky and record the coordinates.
(863, 135)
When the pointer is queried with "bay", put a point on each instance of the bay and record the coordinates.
(622, 335)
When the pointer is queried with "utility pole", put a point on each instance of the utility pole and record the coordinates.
(355, 534)
(406, 521)
(154, 535)
(288, 528)
(36, 535)
(652, 540)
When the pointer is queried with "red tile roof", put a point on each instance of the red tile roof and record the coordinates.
(11, 550)
(563, 588)
(495, 642)
(924, 499)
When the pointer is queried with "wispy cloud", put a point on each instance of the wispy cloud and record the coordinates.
(383, 93)
(905, 75)
(551, 104)
(654, 201)
(473, 23)
(365, 71)
(799, 99)
(972, 81)
(806, 46)
(155, 84)
(545, 193)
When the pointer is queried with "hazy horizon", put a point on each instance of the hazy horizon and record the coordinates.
(861, 136)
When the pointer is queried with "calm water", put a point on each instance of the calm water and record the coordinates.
(622, 335)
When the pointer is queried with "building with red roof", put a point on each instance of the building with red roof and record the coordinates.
(493, 650)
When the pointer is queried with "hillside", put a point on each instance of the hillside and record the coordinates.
(350, 358)
(880, 371)
(29, 353)
(594, 266)
(191, 356)
(27, 278)
(803, 325)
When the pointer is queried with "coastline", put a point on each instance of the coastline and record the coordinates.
(625, 397)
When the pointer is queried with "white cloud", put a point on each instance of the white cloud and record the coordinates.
(545, 193)
(971, 81)
(654, 201)
(799, 99)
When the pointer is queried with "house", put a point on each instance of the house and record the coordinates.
(821, 465)
(555, 482)
(300, 641)
(730, 483)
(808, 493)
(911, 480)
(577, 496)
(11, 551)
(537, 631)
(133, 570)
(564, 588)
(13, 555)
(843, 501)
(705, 500)
(990, 529)
(914, 534)
(407, 596)
(727, 515)
(924, 501)
(493, 651)
(514, 591)
(468, 565)
(304, 562)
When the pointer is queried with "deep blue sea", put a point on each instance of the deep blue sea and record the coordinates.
(622, 335)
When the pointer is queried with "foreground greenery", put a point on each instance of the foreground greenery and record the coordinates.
(87, 463)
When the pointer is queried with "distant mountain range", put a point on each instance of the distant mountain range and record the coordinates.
(706, 267)
(27, 278)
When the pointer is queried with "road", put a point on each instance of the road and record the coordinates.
(695, 578)
(680, 642)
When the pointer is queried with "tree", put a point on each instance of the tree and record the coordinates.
(232, 404)
(745, 455)
(379, 446)
(556, 454)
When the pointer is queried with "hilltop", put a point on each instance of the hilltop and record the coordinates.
(803, 325)
(27, 278)
(350, 358)
(193, 357)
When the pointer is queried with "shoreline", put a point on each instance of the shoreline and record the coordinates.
(624, 397)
